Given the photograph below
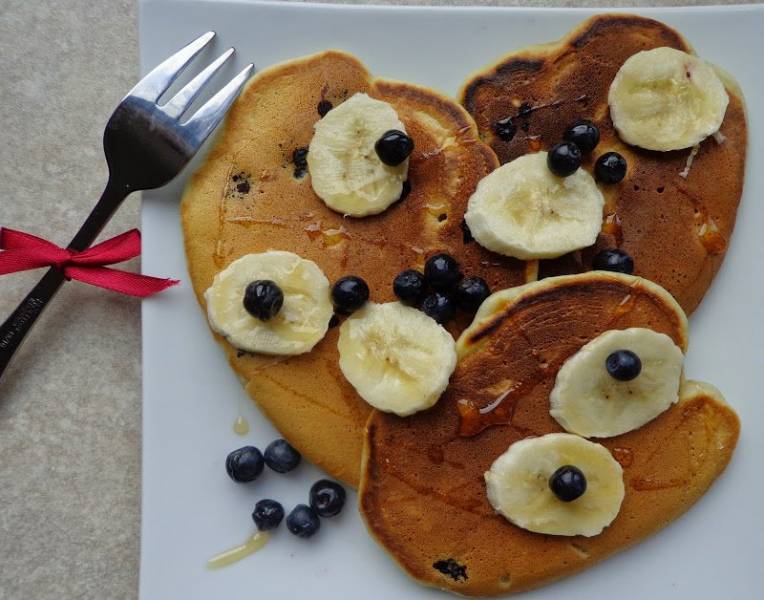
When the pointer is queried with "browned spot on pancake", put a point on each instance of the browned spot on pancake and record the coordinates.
(650, 214)
(616, 25)
(422, 508)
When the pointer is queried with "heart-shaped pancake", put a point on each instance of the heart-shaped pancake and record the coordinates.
(674, 212)
(249, 197)
(422, 492)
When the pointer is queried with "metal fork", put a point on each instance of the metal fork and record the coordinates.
(146, 146)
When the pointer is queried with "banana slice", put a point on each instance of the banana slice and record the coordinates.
(665, 99)
(397, 358)
(345, 171)
(523, 210)
(518, 485)
(589, 401)
(302, 320)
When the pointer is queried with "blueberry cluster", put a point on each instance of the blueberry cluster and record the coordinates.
(326, 498)
(564, 159)
(581, 138)
(441, 289)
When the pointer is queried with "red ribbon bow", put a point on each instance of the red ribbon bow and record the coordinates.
(23, 252)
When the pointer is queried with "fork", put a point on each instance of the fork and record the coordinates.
(146, 145)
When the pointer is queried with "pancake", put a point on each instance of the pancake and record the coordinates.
(422, 493)
(676, 228)
(249, 196)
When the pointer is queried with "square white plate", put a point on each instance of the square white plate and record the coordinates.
(191, 510)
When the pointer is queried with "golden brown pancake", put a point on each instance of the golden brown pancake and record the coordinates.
(249, 197)
(677, 229)
(422, 492)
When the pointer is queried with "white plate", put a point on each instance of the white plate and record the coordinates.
(191, 509)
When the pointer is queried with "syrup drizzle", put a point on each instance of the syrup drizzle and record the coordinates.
(229, 557)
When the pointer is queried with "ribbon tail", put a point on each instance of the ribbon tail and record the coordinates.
(13, 261)
(131, 284)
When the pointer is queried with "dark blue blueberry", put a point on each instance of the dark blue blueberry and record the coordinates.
(583, 134)
(610, 168)
(324, 107)
(327, 498)
(564, 159)
(439, 306)
(623, 365)
(267, 515)
(405, 190)
(244, 464)
(303, 521)
(409, 286)
(263, 299)
(349, 294)
(471, 292)
(394, 147)
(442, 272)
(613, 260)
(568, 483)
(281, 457)
(466, 233)
(505, 129)
(300, 158)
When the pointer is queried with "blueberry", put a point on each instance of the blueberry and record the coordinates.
(349, 294)
(568, 483)
(408, 286)
(564, 159)
(281, 457)
(505, 129)
(466, 233)
(471, 292)
(244, 464)
(583, 134)
(442, 272)
(300, 158)
(623, 365)
(303, 521)
(263, 299)
(267, 514)
(324, 107)
(613, 260)
(394, 147)
(610, 168)
(439, 306)
(327, 498)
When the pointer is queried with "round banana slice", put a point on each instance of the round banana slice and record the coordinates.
(303, 318)
(397, 358)
(665, 99)
(589, 401)
(519, 487)
(523, 210)
(345, 171)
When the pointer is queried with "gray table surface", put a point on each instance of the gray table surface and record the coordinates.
(70, 405)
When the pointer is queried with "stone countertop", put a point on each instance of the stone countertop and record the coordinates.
(70, 405)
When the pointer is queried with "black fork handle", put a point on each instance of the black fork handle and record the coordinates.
(20, 323)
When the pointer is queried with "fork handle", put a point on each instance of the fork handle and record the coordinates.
(20, 323)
